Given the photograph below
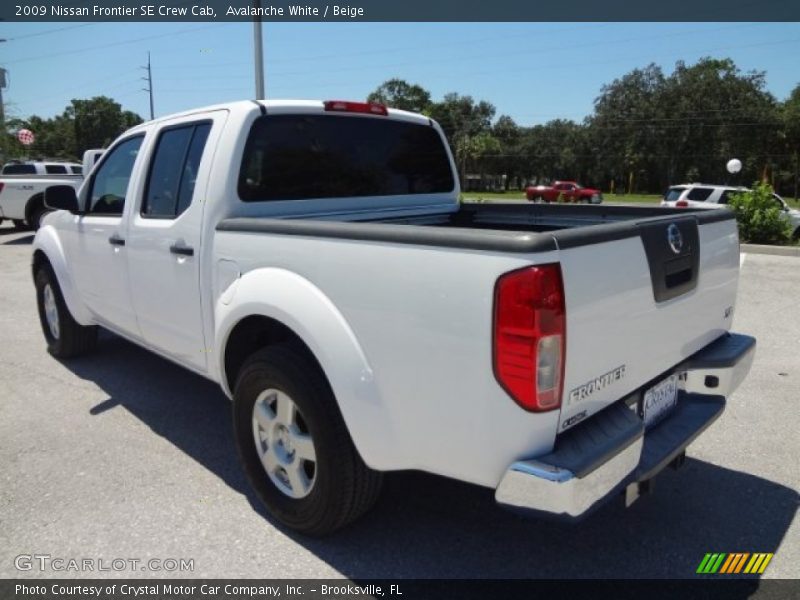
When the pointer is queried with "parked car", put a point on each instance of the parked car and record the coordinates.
(22, 186)
(701, 195)
(41, 168)
(313, 259)
(569, 191)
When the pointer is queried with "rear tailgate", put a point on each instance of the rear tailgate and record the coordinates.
(641, 296)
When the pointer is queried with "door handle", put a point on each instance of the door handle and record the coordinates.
(181, 250)
(115, 240)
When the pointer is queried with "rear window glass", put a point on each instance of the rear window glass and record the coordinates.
(77, 170)
(699, 194)
(55, 169)
(19, 170)
(673, 194)
(295, 157)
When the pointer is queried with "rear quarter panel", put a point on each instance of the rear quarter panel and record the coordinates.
(422, 319)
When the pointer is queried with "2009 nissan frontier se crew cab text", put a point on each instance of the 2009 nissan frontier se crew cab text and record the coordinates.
(314, 259)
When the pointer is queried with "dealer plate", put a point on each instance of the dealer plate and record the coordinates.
(659, 400)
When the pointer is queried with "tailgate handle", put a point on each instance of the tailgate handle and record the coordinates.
(678, 271)
(115, 240)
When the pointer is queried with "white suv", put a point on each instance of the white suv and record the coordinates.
(41, 168)
(701, 195)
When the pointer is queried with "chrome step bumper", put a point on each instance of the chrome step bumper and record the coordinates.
(600, 457)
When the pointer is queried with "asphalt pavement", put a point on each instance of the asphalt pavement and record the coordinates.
(125, 455)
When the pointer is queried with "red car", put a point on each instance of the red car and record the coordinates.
(568, 190)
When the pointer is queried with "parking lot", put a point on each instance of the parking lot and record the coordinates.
(124, 455)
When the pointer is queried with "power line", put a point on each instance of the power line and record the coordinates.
(471, 42)
(47, 32)
(120, 43)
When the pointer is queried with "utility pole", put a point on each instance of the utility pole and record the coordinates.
(3, 85)
(149, 80)
(258, 51)
(2, 107)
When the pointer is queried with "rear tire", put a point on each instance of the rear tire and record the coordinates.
(303, 465)
(65, 337)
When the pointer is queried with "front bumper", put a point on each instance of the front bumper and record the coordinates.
(610, 451)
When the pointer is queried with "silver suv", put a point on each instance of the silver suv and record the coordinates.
(702, 195)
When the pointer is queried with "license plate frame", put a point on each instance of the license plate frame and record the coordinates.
(659, 400)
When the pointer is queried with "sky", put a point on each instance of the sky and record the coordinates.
(533, 72)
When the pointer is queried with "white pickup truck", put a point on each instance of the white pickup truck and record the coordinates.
(22, 186)
(313, 259)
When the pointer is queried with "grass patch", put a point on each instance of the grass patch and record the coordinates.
(632, 198)
(509, 196)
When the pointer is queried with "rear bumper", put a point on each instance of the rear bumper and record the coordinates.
(598, 458)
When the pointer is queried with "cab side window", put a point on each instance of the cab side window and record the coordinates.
(173, 171)
(110, 182)
(699, 194)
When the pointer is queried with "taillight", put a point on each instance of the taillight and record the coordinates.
(682, 204)
(370, 108)
(530, 336)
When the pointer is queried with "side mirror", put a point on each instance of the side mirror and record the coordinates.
(61, 197)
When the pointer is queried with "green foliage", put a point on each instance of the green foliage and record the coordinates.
(650, 129)
(666, 129)
(98, 122)
(398, 93)
(760, 216)
(84, 124)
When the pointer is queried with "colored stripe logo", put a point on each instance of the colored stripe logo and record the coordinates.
(736, 562)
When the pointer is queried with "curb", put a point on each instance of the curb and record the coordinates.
(775, 250)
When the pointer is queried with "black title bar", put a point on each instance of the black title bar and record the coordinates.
(402, 10)
(718, 588)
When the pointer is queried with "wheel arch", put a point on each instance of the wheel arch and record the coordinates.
(47, 251)
(31, 205)
(271, 305)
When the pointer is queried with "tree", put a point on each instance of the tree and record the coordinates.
(626, 127)
(84, 124)
(509, 160)
(98, 121)
(717, 113)
(557, 150)
(398, 93)
(790, 116)
(462, 119)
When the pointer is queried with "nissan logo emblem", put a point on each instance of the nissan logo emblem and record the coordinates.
(674, 238)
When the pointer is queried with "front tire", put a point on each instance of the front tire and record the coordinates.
(294, 446)
(39, 213)
(65, 337)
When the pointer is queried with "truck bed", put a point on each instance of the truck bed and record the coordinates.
(512, 227)
(625, 287)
